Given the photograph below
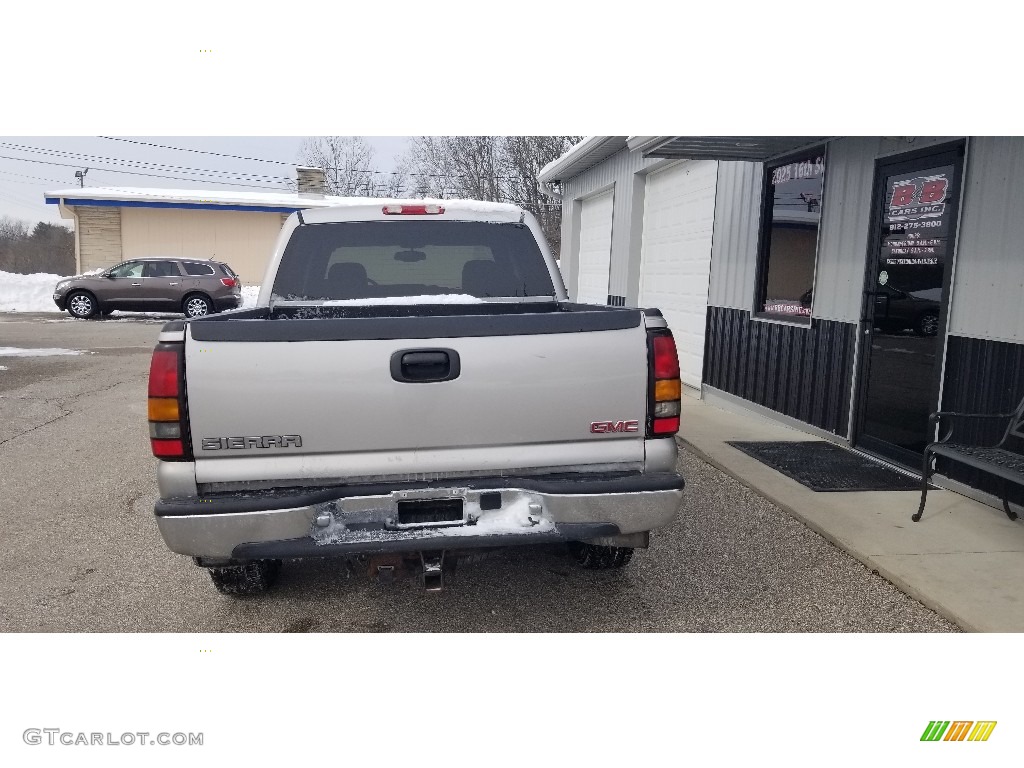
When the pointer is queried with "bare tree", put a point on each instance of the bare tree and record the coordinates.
(347, 163)
(44, 247)
(457, 166)
(349, 167)
(496, 168)
(12, 229)
(525, 157)
(395, 184)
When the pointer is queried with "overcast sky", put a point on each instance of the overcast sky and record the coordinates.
(30, 166)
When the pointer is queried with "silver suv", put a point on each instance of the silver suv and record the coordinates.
(192, 286)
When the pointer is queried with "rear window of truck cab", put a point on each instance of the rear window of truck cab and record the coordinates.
(380, 259)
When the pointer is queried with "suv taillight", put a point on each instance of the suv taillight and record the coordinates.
(168, 429)
(228, 281)
(664, 387)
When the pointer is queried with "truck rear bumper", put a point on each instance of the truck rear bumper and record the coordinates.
(350, 520)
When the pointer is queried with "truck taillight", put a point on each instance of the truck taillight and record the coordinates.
(413, 210)
(664, 387)
(168, 431)
(229, 282)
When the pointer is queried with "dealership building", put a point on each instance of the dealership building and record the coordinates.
(847, 286)
(113, 224)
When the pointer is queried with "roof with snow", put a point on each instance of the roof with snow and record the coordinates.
(593, 149)
(138, 197)
(275, 202)
(582, 156)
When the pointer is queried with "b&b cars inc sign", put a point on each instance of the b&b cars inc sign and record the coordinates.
(916, 223)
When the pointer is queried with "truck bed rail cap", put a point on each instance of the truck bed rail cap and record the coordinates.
(173, 331)
(454, 210)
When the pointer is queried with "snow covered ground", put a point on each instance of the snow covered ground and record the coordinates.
(37, 352)
(34, 293)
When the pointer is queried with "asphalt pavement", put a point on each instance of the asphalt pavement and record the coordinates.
(82, 552)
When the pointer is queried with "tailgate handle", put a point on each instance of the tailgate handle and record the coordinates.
(425, 365)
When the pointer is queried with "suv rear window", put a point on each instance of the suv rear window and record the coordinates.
(378, 259)
(196, 269)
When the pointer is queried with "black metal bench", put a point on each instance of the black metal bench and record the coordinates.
(996, 460)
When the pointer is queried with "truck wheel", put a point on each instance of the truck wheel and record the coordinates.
(247, 579)
(600, 557)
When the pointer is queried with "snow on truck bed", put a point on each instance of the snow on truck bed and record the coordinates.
(445, 298)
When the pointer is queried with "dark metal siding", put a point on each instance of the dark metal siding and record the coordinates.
(801, 372)
(982, 377)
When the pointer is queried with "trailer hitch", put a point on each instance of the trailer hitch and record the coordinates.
(433, 570)
(430, 568)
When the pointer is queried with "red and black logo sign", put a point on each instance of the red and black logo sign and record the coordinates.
(920, 198)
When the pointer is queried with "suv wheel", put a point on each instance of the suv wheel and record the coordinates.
(197, 306)
(81, 304)
(247, 579)
(597, 556)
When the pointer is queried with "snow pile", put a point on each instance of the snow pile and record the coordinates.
(513, 517)
(27, 293)
(41, 352)
(249, 295)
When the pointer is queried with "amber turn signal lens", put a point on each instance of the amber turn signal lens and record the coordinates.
(666, 389)
(163, 409)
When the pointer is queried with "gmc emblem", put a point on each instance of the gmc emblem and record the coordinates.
(603, 427)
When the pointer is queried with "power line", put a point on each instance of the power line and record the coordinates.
(152, 175)
(260, 160)
(281, 162)
(37, 178)
(21, 203)
(144, 163)
(199, 151)
(411, 173)
(237, 174)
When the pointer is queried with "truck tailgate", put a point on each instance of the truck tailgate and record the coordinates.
(520, 401)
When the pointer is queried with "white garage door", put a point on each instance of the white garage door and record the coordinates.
(595, 250)
(675, 262)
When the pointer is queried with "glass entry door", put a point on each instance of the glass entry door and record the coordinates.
(904, 310)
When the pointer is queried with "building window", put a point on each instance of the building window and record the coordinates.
(791, 213)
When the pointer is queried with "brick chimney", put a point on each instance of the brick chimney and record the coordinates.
(311, 182)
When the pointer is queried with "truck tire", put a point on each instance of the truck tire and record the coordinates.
(597, 556)
(247, 579)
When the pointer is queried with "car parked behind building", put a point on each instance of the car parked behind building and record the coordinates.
(193, 287)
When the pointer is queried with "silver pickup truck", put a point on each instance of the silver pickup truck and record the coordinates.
(412, 384)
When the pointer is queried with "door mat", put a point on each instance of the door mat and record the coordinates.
(823, 466)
